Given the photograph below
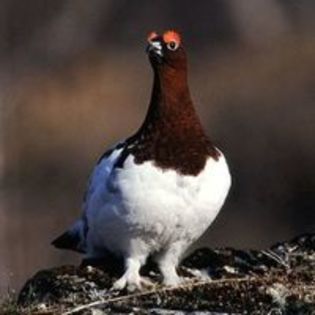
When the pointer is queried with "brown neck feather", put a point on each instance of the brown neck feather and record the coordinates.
(172, 135)
(171, 106)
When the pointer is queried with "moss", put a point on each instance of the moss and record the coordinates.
(9, 306)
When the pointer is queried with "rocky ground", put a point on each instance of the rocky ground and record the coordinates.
(279, 280)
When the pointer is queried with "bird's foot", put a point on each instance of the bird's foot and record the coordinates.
(192, 275)
(196, 274)
(173, 280)
(132, 284)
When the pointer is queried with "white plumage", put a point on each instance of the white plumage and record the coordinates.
(157, 192)
(141, 210)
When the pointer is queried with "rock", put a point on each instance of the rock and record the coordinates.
(279, 280)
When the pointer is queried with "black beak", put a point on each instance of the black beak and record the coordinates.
(154, 50)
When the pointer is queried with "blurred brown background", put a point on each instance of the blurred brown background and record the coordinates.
(74, 79)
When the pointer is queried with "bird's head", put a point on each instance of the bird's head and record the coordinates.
(166, 50)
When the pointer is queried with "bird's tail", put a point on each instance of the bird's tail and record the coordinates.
(73, 239)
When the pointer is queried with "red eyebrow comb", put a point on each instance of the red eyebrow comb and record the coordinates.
(151, 36)
(171, 36)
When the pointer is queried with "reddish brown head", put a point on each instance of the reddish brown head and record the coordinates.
(171, 135)
(166, 50)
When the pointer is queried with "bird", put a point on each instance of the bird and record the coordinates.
(156, 192)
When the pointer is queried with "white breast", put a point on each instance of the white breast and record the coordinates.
(155, 206)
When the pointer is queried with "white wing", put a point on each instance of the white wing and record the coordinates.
(75, 237)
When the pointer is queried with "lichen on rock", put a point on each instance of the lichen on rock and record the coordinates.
(279, 280)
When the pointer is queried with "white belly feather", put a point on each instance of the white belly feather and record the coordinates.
(154, 207)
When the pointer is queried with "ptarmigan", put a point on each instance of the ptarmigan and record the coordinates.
(156, 192)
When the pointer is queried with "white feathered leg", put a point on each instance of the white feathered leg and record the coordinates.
(136, 258)
(168, 261)
(131, 279)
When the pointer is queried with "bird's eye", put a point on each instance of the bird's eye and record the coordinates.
(172, 45)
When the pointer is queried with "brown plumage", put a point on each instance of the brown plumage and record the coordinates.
(171, 135)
